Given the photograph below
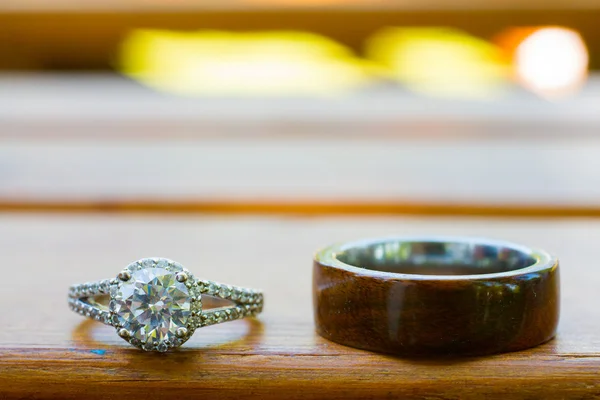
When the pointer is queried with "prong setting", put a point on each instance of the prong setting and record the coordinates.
(124, 333)
(132, 302)
(124, 276)
(181, 277)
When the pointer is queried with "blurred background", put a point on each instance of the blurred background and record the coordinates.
(302, 106)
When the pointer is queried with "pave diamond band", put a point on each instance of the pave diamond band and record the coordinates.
(249, 302)
(156, 304)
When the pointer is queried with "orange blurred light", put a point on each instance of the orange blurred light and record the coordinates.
(549, 61)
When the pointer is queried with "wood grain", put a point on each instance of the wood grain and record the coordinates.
(46, 351)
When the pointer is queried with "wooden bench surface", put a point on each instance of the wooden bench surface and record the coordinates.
(48, 351)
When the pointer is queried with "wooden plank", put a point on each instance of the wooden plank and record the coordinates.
(102, 105)
(108, 144)
(299, 208)
(122, 173)
(47, 352)
(246, 5)
(79, 39)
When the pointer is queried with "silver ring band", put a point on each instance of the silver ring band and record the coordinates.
(156, 304)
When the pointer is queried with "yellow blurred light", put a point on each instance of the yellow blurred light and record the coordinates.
(552, 61)
(226, 63)
(440, 61)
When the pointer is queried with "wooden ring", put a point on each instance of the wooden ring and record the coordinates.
(424, 296)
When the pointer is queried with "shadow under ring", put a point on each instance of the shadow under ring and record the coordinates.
(83, 337)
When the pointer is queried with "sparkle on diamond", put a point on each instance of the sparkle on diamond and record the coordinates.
(152, 305)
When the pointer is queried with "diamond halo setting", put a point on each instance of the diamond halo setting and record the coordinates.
(155, 304)
(152, 306)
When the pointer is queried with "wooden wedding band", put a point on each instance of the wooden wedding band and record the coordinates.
(442, 296)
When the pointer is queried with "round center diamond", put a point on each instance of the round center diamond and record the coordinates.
(152, 305)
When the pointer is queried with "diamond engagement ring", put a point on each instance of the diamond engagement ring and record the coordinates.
(156, 304)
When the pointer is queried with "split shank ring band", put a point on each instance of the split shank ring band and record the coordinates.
(156, 304)
(441, 296)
